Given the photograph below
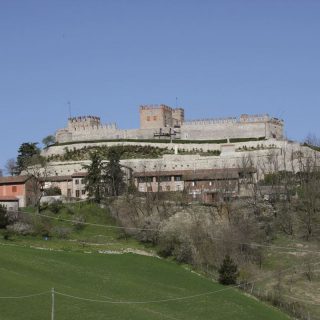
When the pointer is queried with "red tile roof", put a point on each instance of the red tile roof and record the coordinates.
(14, 179)
(8, 198)
(79, 174)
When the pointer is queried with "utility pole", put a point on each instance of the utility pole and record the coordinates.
(52, 304)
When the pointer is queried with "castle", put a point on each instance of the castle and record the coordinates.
(164, 122)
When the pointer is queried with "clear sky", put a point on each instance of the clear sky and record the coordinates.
(220, 58)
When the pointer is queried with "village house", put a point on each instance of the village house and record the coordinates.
(71, 186)
(16, 189)
(207, 185)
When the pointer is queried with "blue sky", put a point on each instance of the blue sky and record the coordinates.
(220, 58)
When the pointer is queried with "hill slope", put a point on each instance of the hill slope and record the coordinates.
(113, 278)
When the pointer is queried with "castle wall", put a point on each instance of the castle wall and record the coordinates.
(154, 118)
(259, 158)
(244, 127)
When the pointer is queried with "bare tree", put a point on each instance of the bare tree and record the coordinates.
(37, 168)
(11, 166)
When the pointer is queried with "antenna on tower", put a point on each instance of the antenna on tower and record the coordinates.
(69, 107)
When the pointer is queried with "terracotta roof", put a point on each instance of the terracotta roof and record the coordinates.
(57, 178)
(203, 174)
(14, 179)
(79, 174)
(8, 198)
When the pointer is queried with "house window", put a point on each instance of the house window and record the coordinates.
(77, 181)
(177, 178)
(154, 118)
(77, 193)
(14, 188)
(83, 192)
(82, 181)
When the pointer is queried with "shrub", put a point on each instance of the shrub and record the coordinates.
(79, 222)
(3, 217)
(55, 206)
(53, 191)
(61, 232)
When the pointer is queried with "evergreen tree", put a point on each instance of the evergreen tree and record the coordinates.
(95, 185)
(114, 174)
(49, 140)
(228, 271)
(104, 179)
(26, 151)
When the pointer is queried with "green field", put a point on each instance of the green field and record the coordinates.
(114, 278)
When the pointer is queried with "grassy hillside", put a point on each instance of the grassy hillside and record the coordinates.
(112, 278)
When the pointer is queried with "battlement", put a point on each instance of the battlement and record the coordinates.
(244, 118)
(84, 119)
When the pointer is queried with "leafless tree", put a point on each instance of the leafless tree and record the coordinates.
(11, 166)
(37, 168)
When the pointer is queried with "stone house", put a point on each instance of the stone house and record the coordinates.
(64, 183)
(206, 185)
(78, 185)
(154, 181)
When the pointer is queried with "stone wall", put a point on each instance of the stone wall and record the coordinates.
(282, 152)
(244, 127)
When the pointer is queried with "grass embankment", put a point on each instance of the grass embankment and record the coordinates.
(73, 266)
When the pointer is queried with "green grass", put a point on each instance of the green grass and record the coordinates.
(113, 278)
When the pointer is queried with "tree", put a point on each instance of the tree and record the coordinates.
(37, 168)
(11, 166)
(94, 180)
(104, 179)
(228, 271)
(114, 174)
(48, 140)
(26, 151)
(1, 173)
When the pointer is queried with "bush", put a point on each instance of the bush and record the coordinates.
(55, 206)
(4, 221)
(21, 228)
(53, 191)
(79, 222)
(228, 271)
(61, 232)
